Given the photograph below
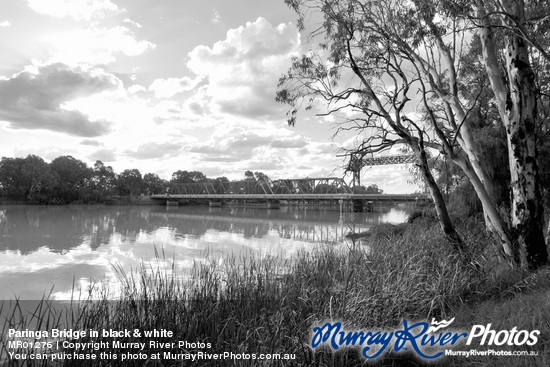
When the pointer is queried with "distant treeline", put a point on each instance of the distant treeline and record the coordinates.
(68, 180)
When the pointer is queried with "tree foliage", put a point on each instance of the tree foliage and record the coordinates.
(370, 63)
(130, 182)
(27, 178)
(71, 176)
(153, 184)
(68, 180)
(465, 68)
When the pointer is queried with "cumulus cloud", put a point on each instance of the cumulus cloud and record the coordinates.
(104, 155)
(93, 143)
(5, 24)
(326, 147)
(76, 9)
(220, 158)
(48, 153)
(196, 108)
(155, 150)
(34, 99)
(271, 163)
(237, 143)
(243, 69)
(136, 88)
(273, 151)
(199, 103)
(130, 21)
(289, 143)
(95, 45)
(166, 88)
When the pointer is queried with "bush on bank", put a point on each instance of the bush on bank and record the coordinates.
(270, 304)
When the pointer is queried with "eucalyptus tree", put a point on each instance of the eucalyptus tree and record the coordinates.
(11, 181)
(28, 178)
(426, 42)
(514, 89)
(435, 41)
(153, 184)
(249, 176)
(507, 55)
(363, 73)
(180, 177)
(130, 182)
(103, 181)
(71, 177)
(508, 41)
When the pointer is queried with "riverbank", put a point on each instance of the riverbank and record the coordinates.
(269, 305)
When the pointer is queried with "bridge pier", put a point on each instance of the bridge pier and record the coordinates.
(346, 205)
(369, 206)
(214, 204)
(172, 202)
(357, 205)
(275, 204)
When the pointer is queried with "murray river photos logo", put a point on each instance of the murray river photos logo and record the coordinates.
(428, 341)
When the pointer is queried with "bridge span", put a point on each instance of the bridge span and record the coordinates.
(370, 197)
(274, 191)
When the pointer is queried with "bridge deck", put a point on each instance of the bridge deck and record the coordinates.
(338, 196)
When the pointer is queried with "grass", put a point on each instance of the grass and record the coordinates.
(268, 305)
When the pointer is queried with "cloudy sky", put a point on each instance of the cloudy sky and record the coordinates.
(162, 86)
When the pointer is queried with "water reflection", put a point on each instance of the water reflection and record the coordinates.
(59, 247)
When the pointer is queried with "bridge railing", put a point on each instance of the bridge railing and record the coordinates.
(224, 188)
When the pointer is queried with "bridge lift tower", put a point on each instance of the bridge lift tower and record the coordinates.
(358, 161)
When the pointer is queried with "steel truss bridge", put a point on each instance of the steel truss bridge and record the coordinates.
(358, 161)
(324, 188)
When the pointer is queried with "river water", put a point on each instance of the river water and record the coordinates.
(53, 250)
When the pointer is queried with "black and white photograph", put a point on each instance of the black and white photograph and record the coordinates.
(329, 183)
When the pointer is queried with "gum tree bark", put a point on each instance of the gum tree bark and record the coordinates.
(497, 225)
(417, 146)
(439, 202)
(517, 104)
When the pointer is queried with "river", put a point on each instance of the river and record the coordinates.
(53, 250)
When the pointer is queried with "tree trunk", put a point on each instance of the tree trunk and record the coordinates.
(493, 220)
(520, 123)
(468, 144)
(490, 210)
(484, 188)
(517, 106)
(440, 206)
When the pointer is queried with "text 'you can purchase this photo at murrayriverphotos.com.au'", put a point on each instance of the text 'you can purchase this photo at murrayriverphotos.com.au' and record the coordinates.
(62, 345)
